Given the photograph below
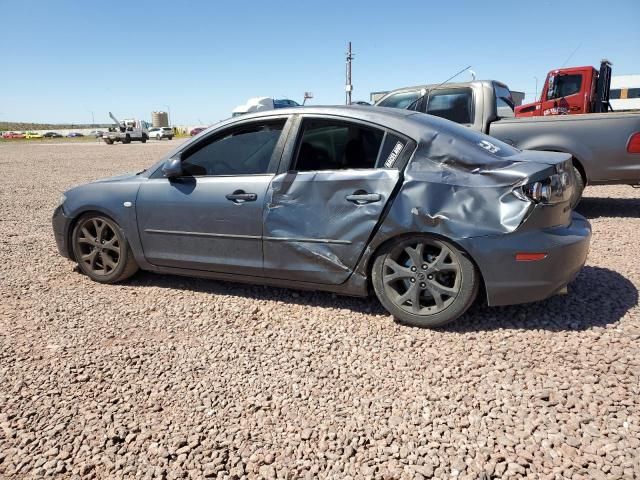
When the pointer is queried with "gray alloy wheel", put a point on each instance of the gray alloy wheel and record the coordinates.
(101, 250)
(158, 137)
(424, 281)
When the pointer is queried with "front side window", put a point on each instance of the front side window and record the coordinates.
(244, 150)
(563, 86)
(337, 145)
(614, 94)
(453, 104)
(400, 100)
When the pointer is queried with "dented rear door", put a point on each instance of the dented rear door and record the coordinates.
(317, 224)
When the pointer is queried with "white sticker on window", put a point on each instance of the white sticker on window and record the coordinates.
(393, 156)
(489, 146)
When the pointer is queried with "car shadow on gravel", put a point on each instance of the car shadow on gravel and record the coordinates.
(597, 297)
(595, 207)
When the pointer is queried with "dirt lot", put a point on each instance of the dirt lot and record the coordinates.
(175, 377)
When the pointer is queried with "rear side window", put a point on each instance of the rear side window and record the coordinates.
(614, 94)
(400, 100)
(337, 145)
(453, 104)
(242, 151)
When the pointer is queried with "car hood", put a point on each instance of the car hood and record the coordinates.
(117, 178)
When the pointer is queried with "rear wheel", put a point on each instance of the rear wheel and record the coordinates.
(101, 250)
(158, 137)
(424, 281)
(577, 194)
(108, 141)
(126, 139)
(144, 139)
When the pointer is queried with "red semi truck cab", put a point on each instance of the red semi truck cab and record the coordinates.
(571, 91)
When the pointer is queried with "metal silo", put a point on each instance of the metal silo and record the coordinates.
(159, 119)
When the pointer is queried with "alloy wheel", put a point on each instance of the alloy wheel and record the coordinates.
(423, 278)
(98, 246)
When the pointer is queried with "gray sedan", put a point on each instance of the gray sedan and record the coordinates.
(421, 211)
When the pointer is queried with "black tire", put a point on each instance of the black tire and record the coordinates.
(101, 249)
(126, 139)
(144, 139)
(446, 281)
(108, 141)
(170, 138)
(577, 194)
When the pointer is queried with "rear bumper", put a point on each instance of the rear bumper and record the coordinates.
(508, 281)
(61, 225)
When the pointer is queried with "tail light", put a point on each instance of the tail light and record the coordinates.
(634, 143)
(554, 189)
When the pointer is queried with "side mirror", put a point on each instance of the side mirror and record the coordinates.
(172, 168)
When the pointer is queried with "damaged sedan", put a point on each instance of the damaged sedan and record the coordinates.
(416, 209)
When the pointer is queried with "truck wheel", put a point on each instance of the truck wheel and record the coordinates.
(108, 141)
(577, 194)
(424, 281)
(126, 139)
(144, 139)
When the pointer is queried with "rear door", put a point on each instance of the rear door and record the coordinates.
(322, 209)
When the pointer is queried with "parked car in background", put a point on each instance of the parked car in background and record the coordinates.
(74, 134)
(419, 210)
(52, 135)
(161, 132)
(32, 135)
(12, 135)
(604, 147)
(196, 131)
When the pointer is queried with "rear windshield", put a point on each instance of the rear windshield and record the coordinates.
(400, 99)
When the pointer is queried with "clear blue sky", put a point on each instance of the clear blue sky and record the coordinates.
(60, 60)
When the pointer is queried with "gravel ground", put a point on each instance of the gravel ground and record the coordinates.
(169, 377)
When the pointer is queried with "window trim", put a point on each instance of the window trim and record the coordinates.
(294, 143)
(223, 130)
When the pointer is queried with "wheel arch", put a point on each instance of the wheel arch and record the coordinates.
(389, 241)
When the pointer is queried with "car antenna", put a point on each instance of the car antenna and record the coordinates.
(428, 92)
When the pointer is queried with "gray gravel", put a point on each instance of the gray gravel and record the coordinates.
(169, 377)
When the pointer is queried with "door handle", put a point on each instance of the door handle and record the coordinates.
(363, 198)
(240, 196)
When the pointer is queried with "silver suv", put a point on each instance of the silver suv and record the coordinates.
(161, 132)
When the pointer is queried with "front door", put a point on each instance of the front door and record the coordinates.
(320, 214)
(563, 95)
(210, 218)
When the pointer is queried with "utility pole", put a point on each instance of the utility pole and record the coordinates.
(348, 86)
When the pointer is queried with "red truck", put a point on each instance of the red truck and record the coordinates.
(570, 91)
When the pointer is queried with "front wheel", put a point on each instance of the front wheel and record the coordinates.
(424, 281)
(101, 250)
(158, 137)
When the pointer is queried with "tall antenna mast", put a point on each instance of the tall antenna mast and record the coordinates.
(348, 86)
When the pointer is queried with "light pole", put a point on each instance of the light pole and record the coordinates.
(536, 94)
(168, 114)
(93, 120)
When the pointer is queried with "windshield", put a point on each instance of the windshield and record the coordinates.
(504, 101)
